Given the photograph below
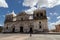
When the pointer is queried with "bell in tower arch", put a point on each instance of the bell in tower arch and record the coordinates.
(39, 14)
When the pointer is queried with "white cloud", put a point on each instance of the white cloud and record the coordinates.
(58, 17)
(1, 24)
(30, 11)
(52, 3)
(48, 18)
(52, 25)
(3, 4)
(57, 22)
(51, 13)
(48, 3)
(56, 14)
(30, 3)
(41, 3)
(3, 15)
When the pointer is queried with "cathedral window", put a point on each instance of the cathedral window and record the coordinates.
(39, 22)
(40, 26)
(37, 15)
(6, 27)
(41, 14)
(21, 19)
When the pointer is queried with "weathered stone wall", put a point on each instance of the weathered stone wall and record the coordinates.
(24, 20)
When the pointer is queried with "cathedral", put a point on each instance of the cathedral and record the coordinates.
(25, 23)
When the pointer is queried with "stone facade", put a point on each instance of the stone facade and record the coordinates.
(57, 28)
(23, 22)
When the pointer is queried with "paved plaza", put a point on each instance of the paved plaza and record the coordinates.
(27, 37)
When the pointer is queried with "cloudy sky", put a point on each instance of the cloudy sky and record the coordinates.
(52, 9)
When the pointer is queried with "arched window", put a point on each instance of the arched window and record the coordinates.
(39, 22)
(6, 27)
(41, 14)
(40, 27)
(21, 19)
(37, 15)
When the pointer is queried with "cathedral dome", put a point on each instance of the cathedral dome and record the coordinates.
(30, 17)
(12, 14)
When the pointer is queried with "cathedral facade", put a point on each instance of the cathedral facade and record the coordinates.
(23, 22)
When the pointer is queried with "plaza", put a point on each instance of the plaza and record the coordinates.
(19, 36)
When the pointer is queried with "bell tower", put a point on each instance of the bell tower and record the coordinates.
(39, 14)
(10, 17)
(40, 17)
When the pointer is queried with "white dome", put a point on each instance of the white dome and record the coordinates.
(12, 13)
(31, 17)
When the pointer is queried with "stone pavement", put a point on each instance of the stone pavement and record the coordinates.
(44, 37)
(27, 37)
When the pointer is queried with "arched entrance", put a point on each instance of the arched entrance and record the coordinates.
(31, 30)
(13, 29)
(21, 29)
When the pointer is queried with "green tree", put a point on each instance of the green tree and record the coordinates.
(1, 28)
